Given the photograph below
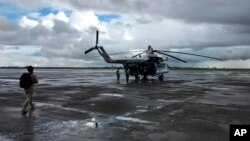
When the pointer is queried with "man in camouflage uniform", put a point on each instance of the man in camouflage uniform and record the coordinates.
(29, 91)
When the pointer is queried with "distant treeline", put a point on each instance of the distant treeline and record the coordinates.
(171, 68)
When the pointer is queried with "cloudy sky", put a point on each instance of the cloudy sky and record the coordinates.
(57, 32)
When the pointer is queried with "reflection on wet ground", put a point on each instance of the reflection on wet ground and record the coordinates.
(91, 105)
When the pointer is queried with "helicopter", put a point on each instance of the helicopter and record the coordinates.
(146, 63)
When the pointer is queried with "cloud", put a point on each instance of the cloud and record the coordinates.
(229, 11)
(214, 28)
(28, 23)
(24, 4)
(6, 25)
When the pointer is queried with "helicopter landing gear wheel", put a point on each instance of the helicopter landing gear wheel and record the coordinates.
(161, 77)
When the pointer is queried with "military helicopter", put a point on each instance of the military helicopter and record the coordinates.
(146, 63)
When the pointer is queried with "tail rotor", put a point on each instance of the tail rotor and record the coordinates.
(97, 38)
(96, 45)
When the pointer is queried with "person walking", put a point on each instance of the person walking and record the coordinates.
(27, 82)
(127, 74)
(118, 74)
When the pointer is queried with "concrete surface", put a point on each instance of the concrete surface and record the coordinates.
(91, 105)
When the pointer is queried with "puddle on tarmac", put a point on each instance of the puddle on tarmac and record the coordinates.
(3, 138)
(82, 127)
(41, 105)
(132, 119)
(3, 98)
(111, 94)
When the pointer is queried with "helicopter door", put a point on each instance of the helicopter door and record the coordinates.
(162, 68)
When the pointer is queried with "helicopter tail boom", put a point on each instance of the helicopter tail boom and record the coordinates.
(104, 55)
(102, 52)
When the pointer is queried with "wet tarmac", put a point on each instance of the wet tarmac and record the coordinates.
(90, 105)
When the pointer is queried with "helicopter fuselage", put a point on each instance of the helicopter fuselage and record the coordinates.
(153, 66)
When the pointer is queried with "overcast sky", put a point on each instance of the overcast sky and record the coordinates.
(56, 33)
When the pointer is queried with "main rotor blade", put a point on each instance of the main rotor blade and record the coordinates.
(171, 56)
(116, 53)
(89, 50)
(97, 37)
(137, 55)
(189, 54)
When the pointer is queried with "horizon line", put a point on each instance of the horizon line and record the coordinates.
(106, 67)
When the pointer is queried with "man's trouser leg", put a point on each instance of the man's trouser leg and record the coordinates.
(28, 99)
